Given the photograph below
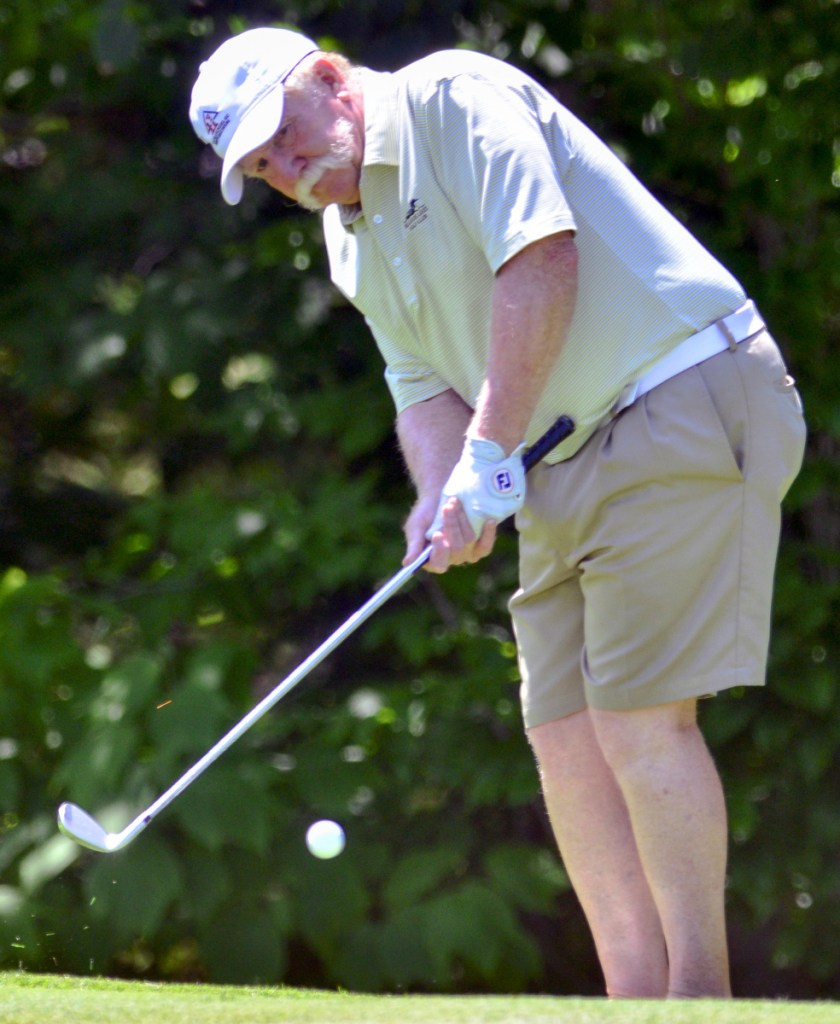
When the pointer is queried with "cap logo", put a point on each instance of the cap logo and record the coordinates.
(215, 124)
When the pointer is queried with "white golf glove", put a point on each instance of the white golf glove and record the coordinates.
(488, 484)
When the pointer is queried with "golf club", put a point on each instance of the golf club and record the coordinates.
(85, 830)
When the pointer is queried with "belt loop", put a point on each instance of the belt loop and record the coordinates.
(732, 341)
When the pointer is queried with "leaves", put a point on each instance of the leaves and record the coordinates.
(199, 482)
(133, 890)
(244, 945)
(227, 808)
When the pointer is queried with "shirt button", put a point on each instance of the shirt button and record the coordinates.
(377, 218)
(398, 261)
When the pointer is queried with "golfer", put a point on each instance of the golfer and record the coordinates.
(511, 269)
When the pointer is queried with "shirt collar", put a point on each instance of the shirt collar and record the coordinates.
(379, 89)
(381, 128)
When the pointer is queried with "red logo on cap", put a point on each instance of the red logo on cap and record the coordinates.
(215, 127)
(210, 122)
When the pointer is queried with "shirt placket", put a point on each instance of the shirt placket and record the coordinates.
(385, 224)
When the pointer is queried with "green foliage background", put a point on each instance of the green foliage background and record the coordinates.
(198, 482)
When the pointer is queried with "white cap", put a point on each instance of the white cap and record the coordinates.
(237, 100)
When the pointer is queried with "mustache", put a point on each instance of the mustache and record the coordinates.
(310, 178)
(340, 154)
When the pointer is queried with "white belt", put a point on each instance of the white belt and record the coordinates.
(725, 333)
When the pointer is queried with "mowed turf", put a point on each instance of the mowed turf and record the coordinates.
(39, 999)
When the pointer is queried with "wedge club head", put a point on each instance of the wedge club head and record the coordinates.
(85, 830)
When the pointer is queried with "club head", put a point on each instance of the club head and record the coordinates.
(81, 827)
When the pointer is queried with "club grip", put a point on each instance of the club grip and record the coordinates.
(559, 431)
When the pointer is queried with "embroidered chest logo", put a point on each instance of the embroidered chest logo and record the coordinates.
(417, 213)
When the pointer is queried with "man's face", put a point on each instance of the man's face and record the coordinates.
(316, 154)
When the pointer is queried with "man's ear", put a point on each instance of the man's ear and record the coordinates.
(329, 75)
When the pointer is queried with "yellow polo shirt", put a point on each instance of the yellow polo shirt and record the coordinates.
(468, 160)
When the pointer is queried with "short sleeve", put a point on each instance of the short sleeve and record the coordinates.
(409, 378)
(501, 165)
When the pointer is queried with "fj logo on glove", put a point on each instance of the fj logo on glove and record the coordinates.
(503, 481)
(488, 484)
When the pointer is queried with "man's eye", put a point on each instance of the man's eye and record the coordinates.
(282, 135)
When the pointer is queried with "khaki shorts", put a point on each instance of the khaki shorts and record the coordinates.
(647, 559)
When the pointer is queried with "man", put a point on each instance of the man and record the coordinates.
(512, 269)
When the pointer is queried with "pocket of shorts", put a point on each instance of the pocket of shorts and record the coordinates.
(760, 411)
(696, 438)
(732, 425)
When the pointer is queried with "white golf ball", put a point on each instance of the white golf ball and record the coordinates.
(325, 839)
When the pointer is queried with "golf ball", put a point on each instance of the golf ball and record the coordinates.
(325, 839)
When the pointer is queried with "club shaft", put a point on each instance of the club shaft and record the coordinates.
(560, 430)
(333, 641)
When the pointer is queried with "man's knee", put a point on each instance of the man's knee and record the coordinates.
(633, 739)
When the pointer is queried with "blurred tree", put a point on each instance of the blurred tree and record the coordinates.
(198, 481)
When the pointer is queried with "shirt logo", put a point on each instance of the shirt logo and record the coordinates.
(417, 213)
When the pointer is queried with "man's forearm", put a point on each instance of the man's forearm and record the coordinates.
(431, 436)
(533, 304)
(532, 307)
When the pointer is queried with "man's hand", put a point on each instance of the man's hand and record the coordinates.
(431, 436)
(453, 541)
(488, 485)
(484, 488)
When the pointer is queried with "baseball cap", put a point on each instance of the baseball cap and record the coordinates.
(237, 99)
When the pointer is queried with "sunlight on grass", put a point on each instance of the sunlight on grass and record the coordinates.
(39, 999)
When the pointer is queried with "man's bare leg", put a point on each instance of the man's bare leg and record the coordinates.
(675, 801)
(592, 827)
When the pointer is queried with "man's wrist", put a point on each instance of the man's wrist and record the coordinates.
(506, 442)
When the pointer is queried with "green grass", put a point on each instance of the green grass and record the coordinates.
(39, 999)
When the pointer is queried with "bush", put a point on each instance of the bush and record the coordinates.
(199, 483)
